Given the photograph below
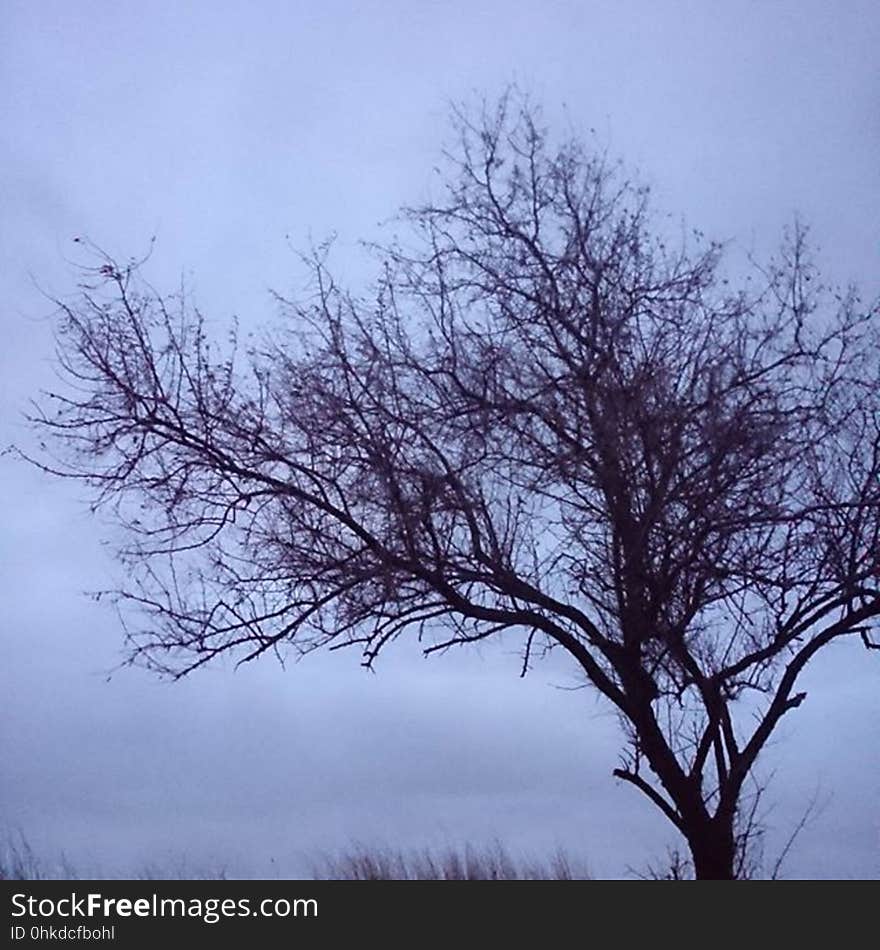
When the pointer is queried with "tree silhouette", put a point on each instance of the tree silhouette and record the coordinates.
(549, 420)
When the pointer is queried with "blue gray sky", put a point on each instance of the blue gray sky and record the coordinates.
(235, 132)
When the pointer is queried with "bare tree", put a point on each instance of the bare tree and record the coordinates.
(548, 419)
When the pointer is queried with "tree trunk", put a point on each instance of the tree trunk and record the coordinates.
(713, 851)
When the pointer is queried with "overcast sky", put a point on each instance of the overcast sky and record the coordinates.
(237, 131)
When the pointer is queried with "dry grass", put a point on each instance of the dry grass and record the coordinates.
(492, 863)
(19, 862)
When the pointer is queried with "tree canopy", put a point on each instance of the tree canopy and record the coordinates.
(548, 416)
